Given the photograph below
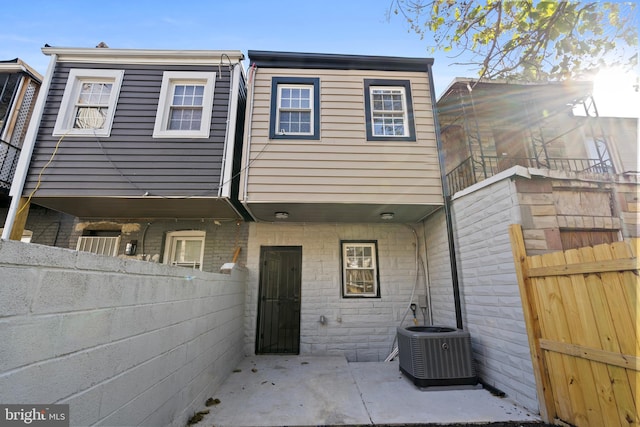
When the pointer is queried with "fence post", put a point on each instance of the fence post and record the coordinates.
(540, 371)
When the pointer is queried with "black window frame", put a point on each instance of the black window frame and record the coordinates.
(406, 84)
(311, 81)
(343, 267)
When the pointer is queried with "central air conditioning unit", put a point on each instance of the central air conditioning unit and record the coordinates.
(436, 356)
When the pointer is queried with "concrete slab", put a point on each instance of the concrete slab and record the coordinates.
(318, 390)
(392, 398)
(288, 390)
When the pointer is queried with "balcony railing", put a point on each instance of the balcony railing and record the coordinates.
(469, 172)
(9, 155)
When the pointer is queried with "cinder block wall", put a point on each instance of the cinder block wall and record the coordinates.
(122, 342)
(440, 283)
(363, 329)
(491, 306)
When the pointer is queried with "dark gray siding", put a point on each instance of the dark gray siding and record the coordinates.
(130, 162)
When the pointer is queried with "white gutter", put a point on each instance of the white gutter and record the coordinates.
(20, 176)
(230, 141)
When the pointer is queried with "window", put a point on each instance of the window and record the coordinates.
(360, 269)
(599, 159)
(101, 244)
(185, 249)
(295, 108)
(389, 111)
(89, 102)
(185, 105)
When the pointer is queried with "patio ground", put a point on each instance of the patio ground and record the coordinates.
(317, 391)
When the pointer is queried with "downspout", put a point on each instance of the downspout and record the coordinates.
(20, 176)
(447, 206)
(248, 127)
(230, 142)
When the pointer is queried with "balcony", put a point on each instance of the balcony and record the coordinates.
(9, 155)
(471, 171)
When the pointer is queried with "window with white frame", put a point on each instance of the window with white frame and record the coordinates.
(185, 249)
(295, 108)
(185, 105)
(88, 102)
(360, 269)
(101, 242)
(389, 111)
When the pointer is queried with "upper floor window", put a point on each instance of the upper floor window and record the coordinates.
(89, 102)
(389, 111)
(295, 108)
(185, 105)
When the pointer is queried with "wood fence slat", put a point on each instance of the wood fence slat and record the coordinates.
(622, 318)
(564, 373)
(540, 370)
(601, 374)
(588, 380)
(631, 288)
(582, 311)
(607, 357)
(585, 268)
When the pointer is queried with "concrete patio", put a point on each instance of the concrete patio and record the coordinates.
(314, 391)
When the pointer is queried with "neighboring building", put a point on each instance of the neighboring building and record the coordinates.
(489, 127)
(340, 166)
(540, 156)
(19, 86)
(142, 149)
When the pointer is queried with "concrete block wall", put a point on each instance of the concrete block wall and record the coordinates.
(363, 329)
(123, 342)
(491, 304)
(439, 267)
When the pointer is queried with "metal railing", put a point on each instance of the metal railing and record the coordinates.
(469, 172)
(9, 155)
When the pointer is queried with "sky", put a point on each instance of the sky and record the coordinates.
(357, 27)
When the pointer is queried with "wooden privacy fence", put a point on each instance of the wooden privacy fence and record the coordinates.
(582, 316)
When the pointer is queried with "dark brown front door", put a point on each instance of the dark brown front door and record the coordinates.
(278, 329)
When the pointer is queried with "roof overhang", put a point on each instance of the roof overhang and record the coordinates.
(147, 207)
(144, 56)
(270, 59)
(340, 212)
(19, 66)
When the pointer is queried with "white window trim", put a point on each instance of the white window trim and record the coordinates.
(282, 86)
(169, 79)
(170, 245)
(101, 245)
(64, 121)
(405, 115)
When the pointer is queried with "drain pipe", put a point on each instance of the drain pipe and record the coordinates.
(447, 205)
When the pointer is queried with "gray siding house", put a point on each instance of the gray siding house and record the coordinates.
(142, 148)
(340, 166)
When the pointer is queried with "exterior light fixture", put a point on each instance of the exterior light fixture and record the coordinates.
(282, 215)
(386, 216)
